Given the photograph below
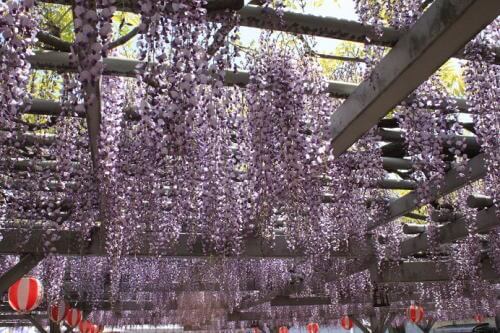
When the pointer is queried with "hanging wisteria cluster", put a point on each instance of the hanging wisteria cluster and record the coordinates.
(205, 150)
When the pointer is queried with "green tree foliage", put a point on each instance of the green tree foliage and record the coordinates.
(57, 20)
(451, 75)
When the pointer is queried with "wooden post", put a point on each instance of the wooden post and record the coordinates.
(427, 325)
(54, 327)
(360, 325)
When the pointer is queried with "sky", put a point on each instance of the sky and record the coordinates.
(343, 9)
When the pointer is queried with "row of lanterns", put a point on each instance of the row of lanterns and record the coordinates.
(26, 294)
(346, 322)
(415, 314)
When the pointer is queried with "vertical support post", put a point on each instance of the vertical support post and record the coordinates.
(397, 329)
(54, 327)
(92, 98)
(359, 324)
(93, 105)
(374, 323)
(427, 325)
(497, 320)
(387, 320)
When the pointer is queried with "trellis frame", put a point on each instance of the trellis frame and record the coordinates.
(415, 55)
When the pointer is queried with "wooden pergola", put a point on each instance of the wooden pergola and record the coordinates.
(441, 33)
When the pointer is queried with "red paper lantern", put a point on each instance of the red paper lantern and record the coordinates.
(73, 317)
(85, 326)
(283, 329)
(415, 313)
(346, 322)
(57, 312)
(26, 294)
(478, 318)
(95, 329)
(312, 328)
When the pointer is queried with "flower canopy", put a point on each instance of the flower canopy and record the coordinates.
(156, 170)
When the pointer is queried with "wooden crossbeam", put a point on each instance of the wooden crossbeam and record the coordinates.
(486, 220)
(297, 23)
(342, 89)
(388, 163)
(300, 301)
(17, 323)
(475, 170)
(59, 61)
(426, 271)
(25, 264)
(472, 146)
(453, 180)
(133, 5)
(323, 315)
(441, 31)
(479, 201)
(70, 243)
(55, 186)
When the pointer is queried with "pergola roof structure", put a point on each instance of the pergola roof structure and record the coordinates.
(440, 33)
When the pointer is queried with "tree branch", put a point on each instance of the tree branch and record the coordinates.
(334, 57)
(51, 40)
(219, 37)
(123, 39)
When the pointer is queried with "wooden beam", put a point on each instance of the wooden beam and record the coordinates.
(300, 301)
(54, 327)
(445, 215)
(294, 285)
(479, 201)
(23, 323)
(70, 243)
(397, 184)
(56, 186)
(53, 108)
(439, 33)
(297, 23)
(51, 60)
(471, 148)
(412, 228)
(486, 220)
(475, 169)
(133, 5)
(324, 316)
(17, 316)
(25, 264)
(361, 298)
(426, 271)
